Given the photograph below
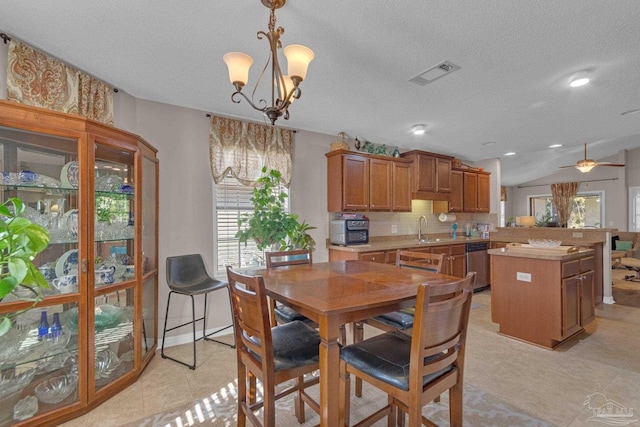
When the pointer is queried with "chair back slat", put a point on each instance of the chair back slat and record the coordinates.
(440, 326)
(421, 260)
(252, 326)
(284, 258)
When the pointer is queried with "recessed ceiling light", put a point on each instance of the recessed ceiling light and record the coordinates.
(581, 78)
(628, 113)
(510, 153)
(555, 146)
(580, 81)
(419, 129)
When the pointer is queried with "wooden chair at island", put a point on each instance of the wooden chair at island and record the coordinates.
(272, 355)
(414, 370)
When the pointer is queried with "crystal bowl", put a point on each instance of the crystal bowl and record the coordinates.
(544, 243)
(10, 343)
(11, 386)
(106, 362)
(56, 389)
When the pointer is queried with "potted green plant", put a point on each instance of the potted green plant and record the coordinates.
(270, 223)
(20, 241)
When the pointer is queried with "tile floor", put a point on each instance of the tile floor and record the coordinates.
(551, 385)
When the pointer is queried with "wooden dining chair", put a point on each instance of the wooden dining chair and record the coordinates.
(401, 320)
(414, 370)
(281, 313)
(271, 355)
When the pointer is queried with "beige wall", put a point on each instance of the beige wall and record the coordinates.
(4, 52)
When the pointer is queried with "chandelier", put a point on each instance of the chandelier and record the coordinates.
(284, 88)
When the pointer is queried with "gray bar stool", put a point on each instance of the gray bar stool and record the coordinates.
(187, 275)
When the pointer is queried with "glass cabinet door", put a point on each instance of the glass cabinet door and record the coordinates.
(40, 361)
(149, 252)
(113, 275)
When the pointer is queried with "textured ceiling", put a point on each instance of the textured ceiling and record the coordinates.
(516, 59)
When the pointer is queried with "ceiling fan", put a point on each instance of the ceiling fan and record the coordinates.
(586, 165)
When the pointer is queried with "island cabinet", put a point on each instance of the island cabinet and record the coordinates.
(362, 182)
(542, 299)
(431, 175)
(94, 188)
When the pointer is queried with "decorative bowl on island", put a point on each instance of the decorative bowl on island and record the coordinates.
(544, 243)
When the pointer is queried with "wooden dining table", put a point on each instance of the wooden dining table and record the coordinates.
(337, 293)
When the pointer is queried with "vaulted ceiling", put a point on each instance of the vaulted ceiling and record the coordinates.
(511, 92)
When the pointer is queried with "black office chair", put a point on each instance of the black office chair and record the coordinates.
(187, 275)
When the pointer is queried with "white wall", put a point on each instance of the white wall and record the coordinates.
(4, 52)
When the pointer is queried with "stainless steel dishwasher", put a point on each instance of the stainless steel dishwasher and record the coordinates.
(478, 261)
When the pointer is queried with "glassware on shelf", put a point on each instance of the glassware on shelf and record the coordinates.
(56, 327)
(25, 408)
(55, 390)
(43, 326)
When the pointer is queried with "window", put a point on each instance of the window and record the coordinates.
(586, 211)
(232, 200)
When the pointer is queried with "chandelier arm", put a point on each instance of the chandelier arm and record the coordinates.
(254, 106)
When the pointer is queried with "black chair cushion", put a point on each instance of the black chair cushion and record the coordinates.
(288, 314)
(294, 344)
(386, 357)
(397, 319)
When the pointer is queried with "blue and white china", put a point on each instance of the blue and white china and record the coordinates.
(48, 270)
(69, 175)
(28, 177)
(105, 275)
(66, 284)
(67, 263)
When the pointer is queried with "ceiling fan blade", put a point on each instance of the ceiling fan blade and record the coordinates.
(616, 165)
(569, 166)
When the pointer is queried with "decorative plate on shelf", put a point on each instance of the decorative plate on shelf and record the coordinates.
(67, 263)
(69, 175)
(544, 243)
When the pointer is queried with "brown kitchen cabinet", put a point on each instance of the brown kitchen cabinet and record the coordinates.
(431, 175)
(470, 191)
(455, 259)
(364, 182)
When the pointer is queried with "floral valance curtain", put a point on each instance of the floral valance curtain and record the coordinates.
(563, 195)
(37, 79)
(243, 149)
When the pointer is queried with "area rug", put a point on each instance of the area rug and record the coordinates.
(219, 409)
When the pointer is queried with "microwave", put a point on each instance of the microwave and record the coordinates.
(347, 232)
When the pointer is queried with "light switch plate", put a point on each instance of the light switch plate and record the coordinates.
(523, 277)
(394, 229)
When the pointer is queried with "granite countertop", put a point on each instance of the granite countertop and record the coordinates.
(539, 253)
(404, 243)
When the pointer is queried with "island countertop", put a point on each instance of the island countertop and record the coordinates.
(541, 253)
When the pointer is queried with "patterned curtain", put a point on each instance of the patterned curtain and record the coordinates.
(563, 195)
(244, 148)
(37, 79)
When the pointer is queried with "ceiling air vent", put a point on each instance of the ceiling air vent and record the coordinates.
(434, 73)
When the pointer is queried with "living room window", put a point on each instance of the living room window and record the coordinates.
(232, 199)
(586, 211)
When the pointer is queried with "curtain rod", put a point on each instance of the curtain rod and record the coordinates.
(588, 180)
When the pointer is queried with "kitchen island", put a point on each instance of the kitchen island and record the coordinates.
(543, 297)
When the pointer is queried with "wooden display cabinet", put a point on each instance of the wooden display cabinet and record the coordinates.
(95, 189)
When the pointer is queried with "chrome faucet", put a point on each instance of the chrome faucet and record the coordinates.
(426, 225)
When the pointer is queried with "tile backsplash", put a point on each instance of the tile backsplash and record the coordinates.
(382, 223)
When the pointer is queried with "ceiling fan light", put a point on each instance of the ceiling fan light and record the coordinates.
(585, 168)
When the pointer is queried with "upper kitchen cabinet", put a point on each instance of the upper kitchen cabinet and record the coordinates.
(431, 175)
(94, 188)
(365, 182)
(470, 191)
